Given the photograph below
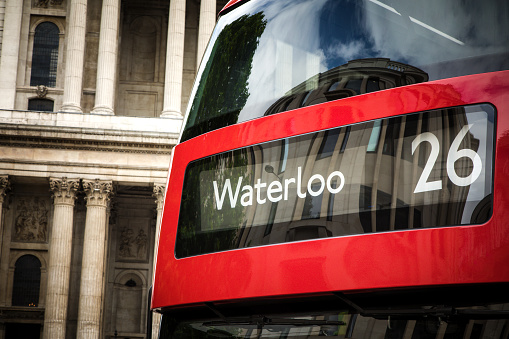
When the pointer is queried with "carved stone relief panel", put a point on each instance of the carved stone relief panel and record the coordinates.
(31, 221)
(47, 3)
(133, 240)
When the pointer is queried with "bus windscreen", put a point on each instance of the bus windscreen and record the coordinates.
(267, 57)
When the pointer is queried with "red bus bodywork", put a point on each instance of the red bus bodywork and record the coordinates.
(412, 258)
(231, 3)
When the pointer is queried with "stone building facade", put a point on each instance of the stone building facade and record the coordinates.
(91, 100)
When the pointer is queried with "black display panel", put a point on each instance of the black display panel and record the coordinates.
(422, 170)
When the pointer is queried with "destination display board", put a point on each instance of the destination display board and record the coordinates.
(421, 170)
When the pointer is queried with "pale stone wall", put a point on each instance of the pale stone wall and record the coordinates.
(131, 153)
(140, 69)
(2, 15)
(83, 140)
(141, 65)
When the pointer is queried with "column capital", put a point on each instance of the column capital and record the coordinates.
(5, 186)
(98, 192)
(159, 191)
(64, 190)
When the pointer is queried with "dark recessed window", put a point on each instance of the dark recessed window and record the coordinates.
(373, 85)
(27, 281)
(130, 283)
(45, 55)
(328, 144)
(354, 85)
(41, 105)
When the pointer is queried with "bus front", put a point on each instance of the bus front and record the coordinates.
(342, 171)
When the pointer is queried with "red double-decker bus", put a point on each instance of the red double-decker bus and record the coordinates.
(343, 170)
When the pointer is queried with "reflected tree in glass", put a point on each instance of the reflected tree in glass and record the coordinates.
(223, 88)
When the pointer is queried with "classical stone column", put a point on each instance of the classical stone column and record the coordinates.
(98, 194)
(75, 55)
(10, 53)
(159, 195)
(107, 59)
(207, 22)
(174, 60)
(59, 269)
(4, 187)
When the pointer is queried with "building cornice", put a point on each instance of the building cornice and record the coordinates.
(78, 139)
(125, 150)
(87, 132)
(90, 121)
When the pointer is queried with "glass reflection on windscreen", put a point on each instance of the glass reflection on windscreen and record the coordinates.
(268, 56)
